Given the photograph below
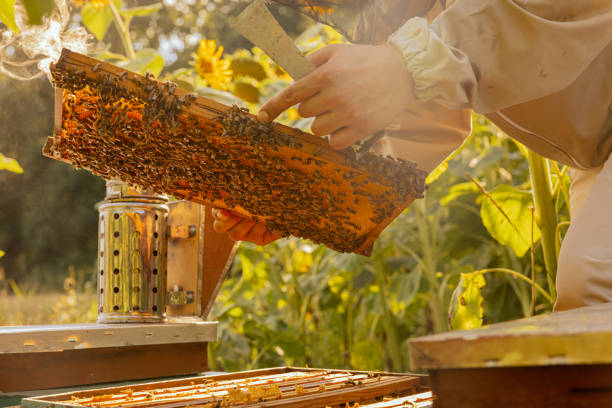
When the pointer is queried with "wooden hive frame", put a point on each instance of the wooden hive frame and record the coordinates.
(292, 180)
(272, 387)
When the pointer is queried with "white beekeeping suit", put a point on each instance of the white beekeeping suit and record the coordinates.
(541, 70)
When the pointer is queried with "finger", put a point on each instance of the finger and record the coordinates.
(345, 137)
(327, 123)
(221, 214)
(270, 236)
(318, 104)
(322, 55)
(241, 230)
(294, 94)
(222, 226)
(257, 234)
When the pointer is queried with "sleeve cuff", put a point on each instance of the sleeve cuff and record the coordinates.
(440, 72)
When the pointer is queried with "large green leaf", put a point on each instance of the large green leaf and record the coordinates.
(146, 60)
(7, 14)
(510, 224)
(97, 19)
(37, 9)
(466, 303)
(6, 163)
(459, 190)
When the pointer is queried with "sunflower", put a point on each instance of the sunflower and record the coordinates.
(211, 67)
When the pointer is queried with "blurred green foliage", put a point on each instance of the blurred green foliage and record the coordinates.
(47, 216)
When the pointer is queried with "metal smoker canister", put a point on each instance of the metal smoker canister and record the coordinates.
(132, 255)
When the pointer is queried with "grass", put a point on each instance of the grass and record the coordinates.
(52, 308)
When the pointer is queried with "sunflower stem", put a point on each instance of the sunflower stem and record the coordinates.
(123, 30)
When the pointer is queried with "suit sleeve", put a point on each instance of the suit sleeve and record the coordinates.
(488, 55)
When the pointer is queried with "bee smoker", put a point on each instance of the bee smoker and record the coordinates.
(132, 255)
(137, 228)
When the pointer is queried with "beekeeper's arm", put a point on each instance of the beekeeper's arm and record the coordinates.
(488, 55)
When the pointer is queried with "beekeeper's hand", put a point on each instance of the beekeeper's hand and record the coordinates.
(355, 90)
(242, 229)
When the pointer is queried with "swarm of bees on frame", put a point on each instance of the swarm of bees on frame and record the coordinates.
(142, 135)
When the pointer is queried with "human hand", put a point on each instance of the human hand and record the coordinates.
(242, 229)
(355, 90)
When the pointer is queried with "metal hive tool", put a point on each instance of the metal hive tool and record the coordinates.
(125, 126)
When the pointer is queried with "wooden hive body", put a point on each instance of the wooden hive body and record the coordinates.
(559, 360)
(118, 124)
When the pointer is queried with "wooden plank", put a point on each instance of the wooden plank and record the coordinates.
(41, 339)
(31, 371)
(422, 400)
(217, 255)
(184, 263)
(579, 336)
(199, 263)
(533, 387)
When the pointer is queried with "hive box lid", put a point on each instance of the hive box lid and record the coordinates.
(580, 336)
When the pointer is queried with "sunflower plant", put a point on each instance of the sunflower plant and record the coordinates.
(210, 65)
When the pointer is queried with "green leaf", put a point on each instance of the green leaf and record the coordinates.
(459, 190)
(466, 303)
(141, 11)
(97, 19)
(442, 167)
(6, 163)
(1, 253)
(7, 14)
(437, 172)
(514, 228)
(146, 60)
(37, 9)
(107, 55)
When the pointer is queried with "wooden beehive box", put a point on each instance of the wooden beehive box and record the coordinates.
(118, 124)
(558, 360)
(274, 387)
